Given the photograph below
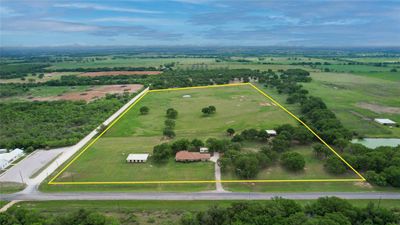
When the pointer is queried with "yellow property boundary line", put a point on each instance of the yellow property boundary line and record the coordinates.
(53, 182)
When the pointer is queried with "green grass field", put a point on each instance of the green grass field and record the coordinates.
(239, 107)
(358, 99)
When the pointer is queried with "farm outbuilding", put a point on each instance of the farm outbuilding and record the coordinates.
(271, 132)
(186, 156)
(203, 150)
(7, 158)
(137, 158)
(387, 122)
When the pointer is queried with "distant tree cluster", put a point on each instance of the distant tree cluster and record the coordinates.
(33, 125)
(19, 70)
(381, 165)
(169, 79)
(169, 123)
(327, 211)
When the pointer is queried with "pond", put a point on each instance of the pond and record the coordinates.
(377, 142)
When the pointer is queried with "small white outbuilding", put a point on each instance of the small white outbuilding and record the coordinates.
(203, 150)
(385, 121)
(137, 158)
(271, 132)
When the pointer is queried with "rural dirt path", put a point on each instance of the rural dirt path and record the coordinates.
(217, 172)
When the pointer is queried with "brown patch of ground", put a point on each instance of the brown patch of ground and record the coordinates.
(115, 73)
(264, 104)
(94, 93)
(363, 184)
(379, 108)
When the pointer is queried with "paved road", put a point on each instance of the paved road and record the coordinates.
(21, 172)
(38, 196)
(32, 163)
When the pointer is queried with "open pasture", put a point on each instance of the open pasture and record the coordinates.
(357, 100)
(238, 107)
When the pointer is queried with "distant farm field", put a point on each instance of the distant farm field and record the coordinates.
(115, 73)
(357, 100)
(85, 92)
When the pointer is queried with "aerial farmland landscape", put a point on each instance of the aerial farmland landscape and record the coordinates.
(199, 112)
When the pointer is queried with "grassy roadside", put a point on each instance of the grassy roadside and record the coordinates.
(156, 205)
(155, 212)
(10, 187)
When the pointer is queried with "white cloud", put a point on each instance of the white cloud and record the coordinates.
(103, 8)
(139, 20)
(48, 26)
(5, 12)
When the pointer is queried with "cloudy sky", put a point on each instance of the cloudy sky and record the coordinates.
(200, 22)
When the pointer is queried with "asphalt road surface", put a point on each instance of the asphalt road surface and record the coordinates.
(34, 195)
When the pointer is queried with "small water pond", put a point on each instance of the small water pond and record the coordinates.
(377, 142)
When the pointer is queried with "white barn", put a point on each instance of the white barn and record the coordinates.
(385, 121)
(7, 158)
(137, 158)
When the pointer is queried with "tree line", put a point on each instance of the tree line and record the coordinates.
(327, 211)
(32, 125)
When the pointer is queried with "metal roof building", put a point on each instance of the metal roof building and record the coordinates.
(133, 158)
(385, 121)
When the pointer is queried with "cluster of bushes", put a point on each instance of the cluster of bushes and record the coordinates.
(381, 165)
(19, 216)
(245, 165)
(250, 135)
(209, 110)
(162, 152)
(33, 125)
(169, 123)
(9, 90)
(328, 210)
(287, 135)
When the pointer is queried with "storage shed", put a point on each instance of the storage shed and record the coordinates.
(137, 158)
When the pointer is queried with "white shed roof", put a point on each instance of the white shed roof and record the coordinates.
(270, 131)
(137, 157)
(385, 121)
(11, 155)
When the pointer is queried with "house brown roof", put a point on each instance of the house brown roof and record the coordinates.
(191, 156)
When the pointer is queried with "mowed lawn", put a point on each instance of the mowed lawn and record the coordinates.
(239, 107)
